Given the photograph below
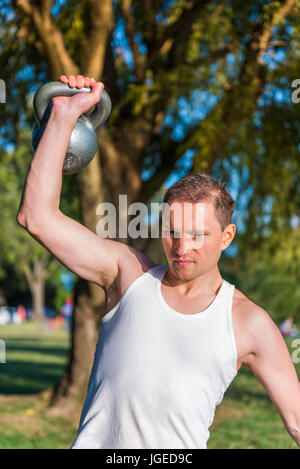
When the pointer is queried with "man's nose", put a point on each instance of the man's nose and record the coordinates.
(181, 246)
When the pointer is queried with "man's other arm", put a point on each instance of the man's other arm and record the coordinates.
(271, 363)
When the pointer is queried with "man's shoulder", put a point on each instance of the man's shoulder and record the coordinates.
(247, 312)
(253, 327)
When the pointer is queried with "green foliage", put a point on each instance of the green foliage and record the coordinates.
(269, 274)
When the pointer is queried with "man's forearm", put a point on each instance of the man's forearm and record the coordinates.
(41, 194)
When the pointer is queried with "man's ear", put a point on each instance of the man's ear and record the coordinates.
(228, 235)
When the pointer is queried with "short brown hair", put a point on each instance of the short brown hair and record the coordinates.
(203, 187)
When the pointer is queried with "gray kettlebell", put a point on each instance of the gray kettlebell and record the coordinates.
(83, 142)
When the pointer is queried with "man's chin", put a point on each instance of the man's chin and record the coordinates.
(184, 271)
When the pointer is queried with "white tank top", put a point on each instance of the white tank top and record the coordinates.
(158, 374)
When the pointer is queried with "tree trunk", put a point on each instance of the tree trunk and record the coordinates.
(36, 279)
(72, 387)
(37, 290)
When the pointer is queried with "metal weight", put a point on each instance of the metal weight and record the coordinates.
(83, 142)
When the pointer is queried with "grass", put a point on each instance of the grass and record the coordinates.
(35, 360)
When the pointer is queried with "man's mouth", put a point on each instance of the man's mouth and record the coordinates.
(183, 262)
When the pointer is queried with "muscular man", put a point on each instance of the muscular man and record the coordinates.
(174, 335)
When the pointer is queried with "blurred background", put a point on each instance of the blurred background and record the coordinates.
(196, 85)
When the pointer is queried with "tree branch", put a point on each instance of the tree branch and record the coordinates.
(99, 28)
(148, 10)
(109, 76)
(130, 31)
(191, 9)
(171, 32)
(169, 151)
(39, 14)
(24, 5)
(278, 17)
(226, 116)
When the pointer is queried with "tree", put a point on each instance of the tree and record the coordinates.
(220, 50)
(269, 275)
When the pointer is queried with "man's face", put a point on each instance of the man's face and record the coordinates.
(195, 240)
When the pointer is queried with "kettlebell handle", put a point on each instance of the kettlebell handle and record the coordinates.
(56, 88)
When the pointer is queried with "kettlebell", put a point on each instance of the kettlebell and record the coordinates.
(83, 142)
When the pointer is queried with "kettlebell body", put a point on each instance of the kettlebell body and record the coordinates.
(84, 141)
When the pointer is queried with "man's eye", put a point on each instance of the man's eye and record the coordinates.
(197, 235)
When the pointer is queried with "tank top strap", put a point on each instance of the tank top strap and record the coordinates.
(158, 271)
(225, 293)
(229, 318)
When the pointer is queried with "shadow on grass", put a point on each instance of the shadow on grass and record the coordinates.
(30, 340)
(38, 349)
(30, 378)
(31, 369)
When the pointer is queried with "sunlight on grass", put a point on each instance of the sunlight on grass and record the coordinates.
(35, 360)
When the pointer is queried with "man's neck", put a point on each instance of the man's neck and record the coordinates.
(208, 283)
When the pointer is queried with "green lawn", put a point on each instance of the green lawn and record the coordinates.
(35, 359)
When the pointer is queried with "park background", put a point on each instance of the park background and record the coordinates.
(196, 85)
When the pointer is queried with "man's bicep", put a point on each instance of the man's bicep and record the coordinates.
(272, 365)
(79, 249)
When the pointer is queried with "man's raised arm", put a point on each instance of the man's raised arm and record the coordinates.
(79, 249)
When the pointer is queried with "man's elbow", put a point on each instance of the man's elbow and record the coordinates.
(28, 223)
(21, 219)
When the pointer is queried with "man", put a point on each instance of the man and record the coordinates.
(174, 335)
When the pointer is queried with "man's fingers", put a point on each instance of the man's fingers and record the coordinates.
(72, 81)
(79, 81)
(87, 82)
(97, 89)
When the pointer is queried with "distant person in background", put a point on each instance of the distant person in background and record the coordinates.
(21, 312)
(288, 328)
(67, 310)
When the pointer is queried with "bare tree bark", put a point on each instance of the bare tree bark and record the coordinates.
(38, 297)
(36, 279)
